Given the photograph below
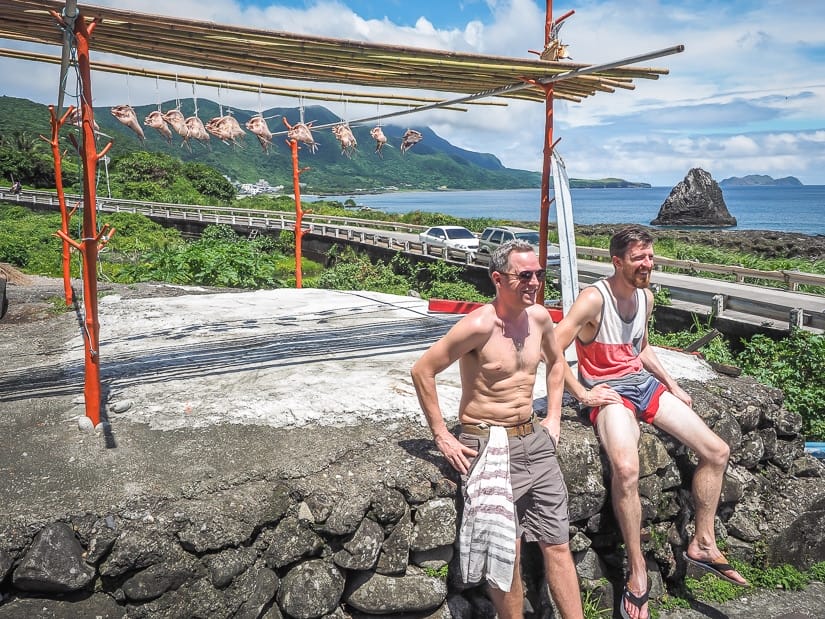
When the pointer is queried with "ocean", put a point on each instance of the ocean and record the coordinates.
(783, 209)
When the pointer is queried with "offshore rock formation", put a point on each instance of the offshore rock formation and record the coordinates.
(370, 534)
(696, 201)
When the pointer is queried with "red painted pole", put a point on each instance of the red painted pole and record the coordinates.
(548, 153)
(65, 215)
(299, 212)
(88, 245)
(89, 248)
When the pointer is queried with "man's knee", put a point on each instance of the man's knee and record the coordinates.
(625, 471)
(717, 454)
(555, 552)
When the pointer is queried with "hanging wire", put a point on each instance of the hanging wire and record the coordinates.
(229, 111)
(194, 98)
(177, 93)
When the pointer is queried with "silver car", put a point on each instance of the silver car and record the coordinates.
(494, 236)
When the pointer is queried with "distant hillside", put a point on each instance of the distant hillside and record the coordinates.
(604, 183)
(432, 163)
(753, 180)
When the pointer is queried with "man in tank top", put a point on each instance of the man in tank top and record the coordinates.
(622, 381)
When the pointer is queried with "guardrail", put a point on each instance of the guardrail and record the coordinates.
(791, 279)
(208, 214)
(363, 231)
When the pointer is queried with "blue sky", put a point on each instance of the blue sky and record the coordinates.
(747, 96)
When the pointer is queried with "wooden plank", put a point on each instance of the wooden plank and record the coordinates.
(707, 337)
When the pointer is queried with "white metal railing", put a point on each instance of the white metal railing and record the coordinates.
(351, 228)
(791, 279)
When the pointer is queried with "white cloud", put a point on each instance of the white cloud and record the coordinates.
(746, 96)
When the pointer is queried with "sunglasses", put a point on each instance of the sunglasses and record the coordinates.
(527, 276)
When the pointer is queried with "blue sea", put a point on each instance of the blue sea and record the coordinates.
(784, 209)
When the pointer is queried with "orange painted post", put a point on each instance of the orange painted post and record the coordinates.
(544, 211)
(88, 245)
(299, 212)
(65, 215)
(548, 146)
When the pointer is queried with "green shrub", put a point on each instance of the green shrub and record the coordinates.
(353, 271)
(717, 350)
(796, 365)
(784, 577)
(817, 571)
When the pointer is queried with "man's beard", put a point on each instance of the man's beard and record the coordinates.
(641, 281)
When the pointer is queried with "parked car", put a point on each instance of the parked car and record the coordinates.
(451, 237)
(494, 236)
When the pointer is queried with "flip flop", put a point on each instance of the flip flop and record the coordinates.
(717, 568)
(636, 600)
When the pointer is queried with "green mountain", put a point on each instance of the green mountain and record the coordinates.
(433, 163)
(604, 183)
(753, 180)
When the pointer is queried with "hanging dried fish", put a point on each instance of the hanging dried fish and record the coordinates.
(226, 128)
(301, 132)
(411, 138)
(126, 114)
(155, 120)
(178, 122)
(77, 121)
(195, 130)
(346, 139)
(377, 134)
(257, 125)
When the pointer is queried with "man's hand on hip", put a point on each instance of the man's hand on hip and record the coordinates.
(455, 453)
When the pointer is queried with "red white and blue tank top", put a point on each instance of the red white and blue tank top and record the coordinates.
(613, 354)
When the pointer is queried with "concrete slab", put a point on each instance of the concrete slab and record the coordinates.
(205, 389)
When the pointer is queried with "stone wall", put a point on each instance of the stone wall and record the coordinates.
(372, 536)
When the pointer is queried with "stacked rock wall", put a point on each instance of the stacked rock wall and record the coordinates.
(374, 534)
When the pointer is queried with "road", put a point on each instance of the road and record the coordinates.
(746, 303)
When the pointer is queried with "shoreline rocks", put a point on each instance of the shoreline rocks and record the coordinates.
(695, 201)
(372, 533)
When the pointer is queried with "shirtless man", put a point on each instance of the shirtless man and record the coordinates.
(499, 347)
(609, 324)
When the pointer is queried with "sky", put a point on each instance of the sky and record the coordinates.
(747, 96)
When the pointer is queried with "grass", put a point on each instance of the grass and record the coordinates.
(440, 572)
(785, 577)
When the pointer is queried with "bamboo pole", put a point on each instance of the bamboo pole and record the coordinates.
(301, 57)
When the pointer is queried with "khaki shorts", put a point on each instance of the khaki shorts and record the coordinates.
(539, 491)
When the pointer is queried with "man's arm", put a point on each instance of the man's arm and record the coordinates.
(651, 362)
(464, 336)
(555, 365)
(586, 309)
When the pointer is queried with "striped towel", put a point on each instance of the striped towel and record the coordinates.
(487, 538)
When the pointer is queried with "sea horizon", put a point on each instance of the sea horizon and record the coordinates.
(781, 209)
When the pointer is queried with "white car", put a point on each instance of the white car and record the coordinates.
(451, 237)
